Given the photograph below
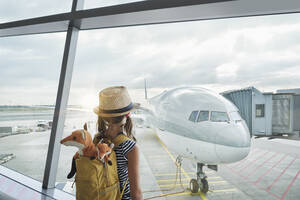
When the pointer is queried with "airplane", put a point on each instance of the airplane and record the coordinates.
(198, 124)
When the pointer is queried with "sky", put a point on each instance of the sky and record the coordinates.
(217, 54)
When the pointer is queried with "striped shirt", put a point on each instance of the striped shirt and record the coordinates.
(122, 165)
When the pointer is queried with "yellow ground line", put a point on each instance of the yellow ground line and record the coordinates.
(173, 174)
(185, 184)
(226, 190)
(172, 180)
(174, 160)
(199, 193)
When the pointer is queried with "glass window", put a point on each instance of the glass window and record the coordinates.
(22, 9)
(219, 116)
(193, 116)
(260, 110)
(29, 68)
(203, 116)
(128, 56)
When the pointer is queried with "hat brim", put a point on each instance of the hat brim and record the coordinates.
(101, 114)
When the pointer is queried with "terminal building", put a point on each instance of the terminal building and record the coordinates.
(268, 113)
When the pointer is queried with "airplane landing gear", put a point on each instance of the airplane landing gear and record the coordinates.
(194, 186)
(201, 182)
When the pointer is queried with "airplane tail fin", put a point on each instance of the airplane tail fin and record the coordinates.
(145, 89)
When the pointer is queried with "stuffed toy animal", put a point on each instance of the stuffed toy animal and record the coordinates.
(104, 152)
(83, 141)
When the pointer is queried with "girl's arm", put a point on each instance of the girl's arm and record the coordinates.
(133, 174)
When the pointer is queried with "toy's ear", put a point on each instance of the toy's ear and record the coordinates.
(85, 126)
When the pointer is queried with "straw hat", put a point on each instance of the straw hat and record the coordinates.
(114, 101)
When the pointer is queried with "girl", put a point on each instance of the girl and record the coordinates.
(113, 119)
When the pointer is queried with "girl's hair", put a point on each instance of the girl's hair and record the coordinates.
(101, 125)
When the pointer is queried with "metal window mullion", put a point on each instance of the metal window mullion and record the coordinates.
(61, 102)
(60, 108)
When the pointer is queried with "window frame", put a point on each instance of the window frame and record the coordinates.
(228, 118)
(262, 115)
(195, 117)
(208, 119)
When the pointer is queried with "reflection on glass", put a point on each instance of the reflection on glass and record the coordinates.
(219, 116)
(22, 9)
(29, 71)
(193, 116)
(203, 116)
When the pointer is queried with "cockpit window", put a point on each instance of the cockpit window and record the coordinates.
(193, 116)
(219, 116)
(203, 116)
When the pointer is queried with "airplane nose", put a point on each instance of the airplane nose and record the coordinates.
(233, 143)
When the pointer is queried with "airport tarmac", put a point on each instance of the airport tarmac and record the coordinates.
(271, 170)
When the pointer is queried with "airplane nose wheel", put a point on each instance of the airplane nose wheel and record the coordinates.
(201, 182)
(194, 187)
(204, 186)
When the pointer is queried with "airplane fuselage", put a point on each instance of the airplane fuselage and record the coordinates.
(199, 124)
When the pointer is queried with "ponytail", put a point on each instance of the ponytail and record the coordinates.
(101, 125)
(128, 128)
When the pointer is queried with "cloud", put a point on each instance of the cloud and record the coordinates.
(13, 10)
(31, 60)
(218, 54)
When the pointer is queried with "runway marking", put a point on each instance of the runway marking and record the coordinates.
(173, 174)
(172, 157)
(199, 193)
(226, 190)
(259, 179)
(170, 180)
(253, 161)
(254, 184)
(259, 166)
(278, 177)
(269, 188)
(186, 184)
(290, 185)
(271, 193)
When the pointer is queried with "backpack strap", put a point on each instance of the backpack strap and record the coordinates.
(119, 139)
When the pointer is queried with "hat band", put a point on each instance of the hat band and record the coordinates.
(129, 107)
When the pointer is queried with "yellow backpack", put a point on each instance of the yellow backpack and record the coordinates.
(96, 181)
